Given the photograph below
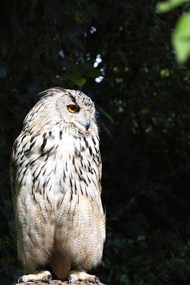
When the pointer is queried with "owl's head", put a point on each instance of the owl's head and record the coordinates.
(74, 108)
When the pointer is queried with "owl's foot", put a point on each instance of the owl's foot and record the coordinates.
(82, 276)
(40, 276)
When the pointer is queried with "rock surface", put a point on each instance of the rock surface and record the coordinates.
(58, 282)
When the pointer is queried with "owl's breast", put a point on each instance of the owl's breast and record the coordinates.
(57, 162)
(71, 165)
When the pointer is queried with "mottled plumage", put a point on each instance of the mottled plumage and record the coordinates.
(56, 186)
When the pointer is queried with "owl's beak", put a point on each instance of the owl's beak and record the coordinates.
(87, 125)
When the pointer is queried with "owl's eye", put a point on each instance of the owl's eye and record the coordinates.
(73, 108)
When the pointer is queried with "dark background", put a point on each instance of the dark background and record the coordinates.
(143, 105)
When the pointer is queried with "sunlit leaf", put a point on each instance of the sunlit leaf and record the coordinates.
(166, 6)
(181, 38)
(164, 73)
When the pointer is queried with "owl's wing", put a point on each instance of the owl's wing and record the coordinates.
(19, 164)
(99, 171)
(13, 180)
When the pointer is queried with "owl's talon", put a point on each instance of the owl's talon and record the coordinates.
(71, 279)
(20, 280)
(82, 276)
(48, 278)
(44, 276)
(96, 279)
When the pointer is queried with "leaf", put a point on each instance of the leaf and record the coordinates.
(106, 114)
(181, 38)
(80, 82)
(164, 73)
(167, 6)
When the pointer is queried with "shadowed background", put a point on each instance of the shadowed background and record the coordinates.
(118, 53)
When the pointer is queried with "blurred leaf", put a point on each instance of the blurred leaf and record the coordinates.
(181, 38)
(167, 6)
(80, 82)
(106, 114)
(164, 73)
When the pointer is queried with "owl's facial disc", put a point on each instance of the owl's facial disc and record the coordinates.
(75, 114)
(80, 120)
(83, 122)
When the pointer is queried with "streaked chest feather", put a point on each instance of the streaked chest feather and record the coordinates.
(58, 161)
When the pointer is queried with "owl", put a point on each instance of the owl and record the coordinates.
(56, 187)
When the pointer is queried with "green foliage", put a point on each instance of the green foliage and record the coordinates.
(181, 34)
(181, 38)
(167, 6)
(143, 114)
